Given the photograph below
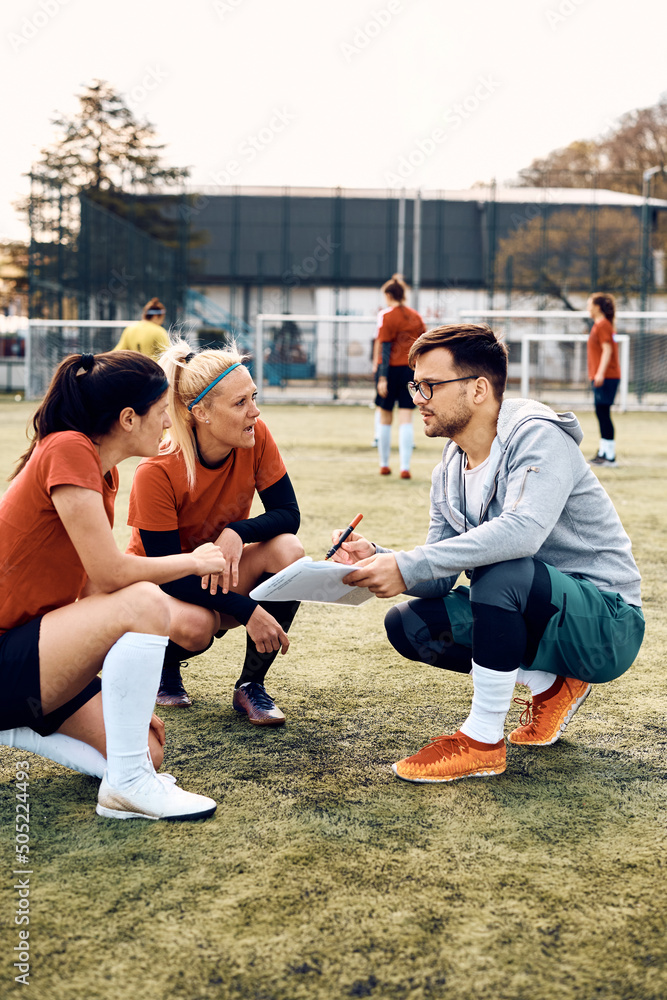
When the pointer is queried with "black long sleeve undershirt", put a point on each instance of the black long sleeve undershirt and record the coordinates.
(383, 367)
(281, 516)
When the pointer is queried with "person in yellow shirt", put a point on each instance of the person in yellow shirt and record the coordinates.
(148, 336)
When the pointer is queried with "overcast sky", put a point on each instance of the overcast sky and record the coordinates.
(430, 93)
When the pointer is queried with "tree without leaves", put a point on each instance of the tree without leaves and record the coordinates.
(615, 161)
(561, 260)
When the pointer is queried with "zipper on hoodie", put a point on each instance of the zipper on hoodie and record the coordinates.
(531, 468)
(491, 496)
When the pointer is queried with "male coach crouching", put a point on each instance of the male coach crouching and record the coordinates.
(554, 600)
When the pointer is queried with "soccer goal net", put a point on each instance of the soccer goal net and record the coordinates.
(547, 355)
(49, 341)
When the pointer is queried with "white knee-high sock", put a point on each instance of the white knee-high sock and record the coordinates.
(130, 680)
(377, 426)
(384, 443)
(490, 703)
(608, 448)
(406, 442)
(65, 750)
(538, 681)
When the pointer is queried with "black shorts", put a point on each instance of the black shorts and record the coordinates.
(397, 389)
(20, 693)
(605, 394)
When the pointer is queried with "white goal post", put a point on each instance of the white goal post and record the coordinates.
(528, 335)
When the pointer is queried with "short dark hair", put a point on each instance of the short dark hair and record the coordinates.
(475, 350)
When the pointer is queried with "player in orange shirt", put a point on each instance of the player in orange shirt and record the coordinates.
(398, 328)
(200, 488)
(72, 604)
(604, 371)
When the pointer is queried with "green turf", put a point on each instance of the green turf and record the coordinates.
(321, 875)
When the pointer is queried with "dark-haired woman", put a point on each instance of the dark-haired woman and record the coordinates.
(148, 336)
(399, 327)
(72, 604)
(604, 371)
(200, 488)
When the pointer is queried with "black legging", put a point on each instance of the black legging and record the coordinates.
(510, 604)
(603, 413)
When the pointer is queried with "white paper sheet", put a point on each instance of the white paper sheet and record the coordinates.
(306, 580)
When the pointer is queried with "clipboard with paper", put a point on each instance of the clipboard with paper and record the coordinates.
(309, 580)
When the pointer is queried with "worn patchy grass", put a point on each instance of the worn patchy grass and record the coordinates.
(321, 876)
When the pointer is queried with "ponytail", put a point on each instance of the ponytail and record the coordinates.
(606, 304)
(153, 308)
(88, 392)
(396, 288)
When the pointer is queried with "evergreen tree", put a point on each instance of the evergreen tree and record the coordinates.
(105, 152)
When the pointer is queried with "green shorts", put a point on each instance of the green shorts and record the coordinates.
(594, 636)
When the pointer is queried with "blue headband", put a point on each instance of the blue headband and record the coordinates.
(214, 382)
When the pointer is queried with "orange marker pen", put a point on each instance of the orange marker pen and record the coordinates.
(346, 534)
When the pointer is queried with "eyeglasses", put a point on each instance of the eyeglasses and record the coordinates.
(425, 389)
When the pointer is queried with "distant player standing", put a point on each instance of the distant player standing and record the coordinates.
(148, 336)
(398, 329)
(604, 371)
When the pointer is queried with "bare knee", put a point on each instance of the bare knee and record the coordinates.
(287, 549)
(193, 629)
(143, 607)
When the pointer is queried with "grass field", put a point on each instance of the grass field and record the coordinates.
(321, 875)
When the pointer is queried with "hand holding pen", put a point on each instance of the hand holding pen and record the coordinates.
(344, 535)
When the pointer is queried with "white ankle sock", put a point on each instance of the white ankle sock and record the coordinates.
(130, 680)
(65, 750)
(406, 442)
(538, 681)
(384, 444)
(608, 448)
(490, 703)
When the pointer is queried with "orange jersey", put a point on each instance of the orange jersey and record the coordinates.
(400, 327)
(41, 569)
(601, 333)
(161, 499)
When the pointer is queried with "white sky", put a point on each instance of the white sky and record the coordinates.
(357, 84)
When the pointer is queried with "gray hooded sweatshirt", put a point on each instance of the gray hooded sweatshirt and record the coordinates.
(540, 498)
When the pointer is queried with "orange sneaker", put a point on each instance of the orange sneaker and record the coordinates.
(448, 758)
(385, 470)
(551, 712)
(405, 474)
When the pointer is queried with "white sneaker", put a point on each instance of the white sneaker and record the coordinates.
(152, 796)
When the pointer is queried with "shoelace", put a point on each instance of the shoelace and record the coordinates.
(447, 746)
(526, 716)
(259, 696)
(531, 712)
